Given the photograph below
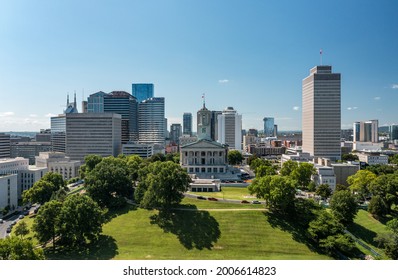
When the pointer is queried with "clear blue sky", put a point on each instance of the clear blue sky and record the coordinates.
(251, 55)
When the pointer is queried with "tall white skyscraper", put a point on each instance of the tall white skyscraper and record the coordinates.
(230, 129)
(322, 113)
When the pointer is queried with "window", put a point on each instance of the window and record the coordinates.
(203, 170)
(221, 170)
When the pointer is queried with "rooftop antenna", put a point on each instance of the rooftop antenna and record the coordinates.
(320, 53)
(204, 100)
(67, 100)
(74, 101)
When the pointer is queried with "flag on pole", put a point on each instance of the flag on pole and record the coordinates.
(320, 52)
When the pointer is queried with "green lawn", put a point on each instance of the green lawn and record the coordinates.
(366, 228)
(206, 204)
(142, 234)
(240, 193)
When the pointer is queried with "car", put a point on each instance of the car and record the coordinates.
(201, 197)
(1, 221)
(244, 201)
(8, 229)
(212, 199)
(21, 216)
(256, 202)
(36, 209)
(13, 223)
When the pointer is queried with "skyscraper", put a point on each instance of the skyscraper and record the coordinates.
(142, 91)
(5, 145)
(366, 131)
(79, 135)
(393, 130)
(322, 113)
(214, 124)
(230, 129)
(175, 133)
(187, 124)
(119, 102)
(269, 127)
(151, 121)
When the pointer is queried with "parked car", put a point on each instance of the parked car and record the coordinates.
(201, 197)
(244, 201)
(9, 229)
(1, 221)
(13, 223)
(212, 199)
(256, 202)
(21, 216)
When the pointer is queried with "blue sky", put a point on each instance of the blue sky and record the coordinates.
(251, 55)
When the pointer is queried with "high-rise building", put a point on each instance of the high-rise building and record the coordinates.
(230, 129)
(71, 108)
(142, 91)
(366, 131)
(322, 113)
(269, 127)
(175, 133)
(124, 104)
(203, 120)
(119, 102)
(393, 130)
(214, 125)
(151, 121)
(5, 145)
(78, 135)
(187, 124)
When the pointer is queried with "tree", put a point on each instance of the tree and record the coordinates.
(381, 169)
(360, 182)
(251, 158)
(302, 174)
(235, 157)
(377, 206)
(46, 224)
(324, 191)
(157, 157)
(80, 219)
(340, 187)
(43, 190)
(109, 182)
(13, 248)
(161, 185)
(174, 157)
(349, 157)
(259, 162)
(343, 206)
(91, 162)
(278, 192)
(288, 167)
(21, 229)
(386, 186)
(393, 159)
(328, 233)
(134, 163)
(390, 240)
(264, 170)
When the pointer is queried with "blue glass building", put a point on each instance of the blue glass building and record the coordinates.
(142, 91)
(269, 127)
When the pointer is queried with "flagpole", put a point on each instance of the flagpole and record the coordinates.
(320, 53)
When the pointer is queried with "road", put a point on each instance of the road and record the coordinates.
(8, 222)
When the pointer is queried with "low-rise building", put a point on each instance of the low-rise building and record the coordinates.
(372, 158)
(142, 150)
(205, 185)
(29, 150)
(298, 157)
(8, 191)
(59, 163)
(204, 158)
(344, 170)
(325, 175)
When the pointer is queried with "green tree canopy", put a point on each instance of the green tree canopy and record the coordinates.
(235, 157)
(90, 162)
(360, 182)
(302, 174)
(324, 191)
(288, 167)
(134, 163)
(377, 206)
(264, 170)
(80, 219)
(44, 189)
(255, 163)
(13, 248)
(21, 229)
(349, 157)
(162, 185)
(109, 182)
(343, 206)
(386, 186)
(46, 224)
(278, 191)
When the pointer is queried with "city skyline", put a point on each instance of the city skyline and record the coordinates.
(255, 64)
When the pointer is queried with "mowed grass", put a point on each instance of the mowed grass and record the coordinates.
(206, 204)
(219, 235)
(366, 228)
(239, 193)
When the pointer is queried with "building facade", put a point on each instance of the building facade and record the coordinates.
(203, 120)
(142, 91)
(393, 132)
(8, 191)
(187, 124)
(5, 145)
(175, 133)
(58, 163)
(204, 158)
(321, 115)
(29, 150)
(269, 127)
(151, 121)
(142, 150)
(230, 129)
